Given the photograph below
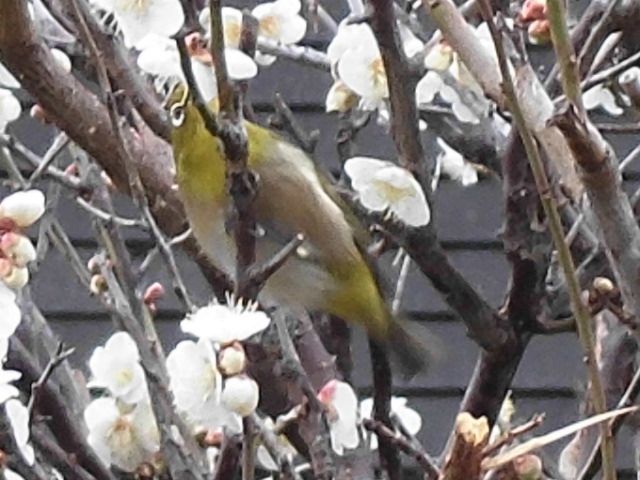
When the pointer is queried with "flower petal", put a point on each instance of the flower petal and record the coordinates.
(10, 314)
(241, 66)
(428, 87)
(7, 79)
(362, 170)
(10, 108)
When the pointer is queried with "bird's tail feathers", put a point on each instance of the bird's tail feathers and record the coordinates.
(409, 346)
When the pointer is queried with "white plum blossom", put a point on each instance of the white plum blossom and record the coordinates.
(226, 323)
(7, 390)
(196, 384)
(18, 416)
(355, 52)
(383, 186)
(7, 80)
(138, 18)
(11, 475)
(279, 21)
(124, 438)
(231, 25)
(342, 406)
(433, 84)
(117, 368)
(411, 45)
(409, 418)
(601, 97)
(442, 61)
(241, 395)
(10, 108)
(159, 56)
(453, 164)
(10, 317)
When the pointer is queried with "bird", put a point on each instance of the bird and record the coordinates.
(330, 271)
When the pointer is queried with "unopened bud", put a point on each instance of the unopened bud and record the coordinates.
(241, 395)
(533, 10)
(539, 32)
(17, 278)
(18, 248)
(93, 265)
(39, 113)
(98, 285)
(153, 293)
(232, 360)
(528, 467)
(603, 285)
(72, 170)
(107, 181)
(5, 267)
(23, 207)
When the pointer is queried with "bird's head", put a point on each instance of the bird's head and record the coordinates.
(185, 119)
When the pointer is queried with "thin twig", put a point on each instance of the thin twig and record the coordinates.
(398, 441)
(301, 54)
(319, 446)
(248, 448)
(107, 217)
(592, 464)
(286, 120)
(580, 311)
(610, 72)
(569, 70)
(514, 433)
(257, 275)
(270, 442)
(60, 356)
(58, 145)
(60, 176)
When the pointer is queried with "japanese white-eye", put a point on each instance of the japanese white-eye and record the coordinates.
(329, 272)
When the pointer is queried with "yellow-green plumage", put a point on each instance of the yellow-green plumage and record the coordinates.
(329, 272)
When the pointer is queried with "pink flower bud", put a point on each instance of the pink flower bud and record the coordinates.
(533, 10)
(153, 293)
(326, 393)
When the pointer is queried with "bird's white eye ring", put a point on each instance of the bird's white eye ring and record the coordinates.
(177, 115)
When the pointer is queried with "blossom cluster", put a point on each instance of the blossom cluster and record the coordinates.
(211, 389)
(17, 212)
(207, 378)
(149, 27)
